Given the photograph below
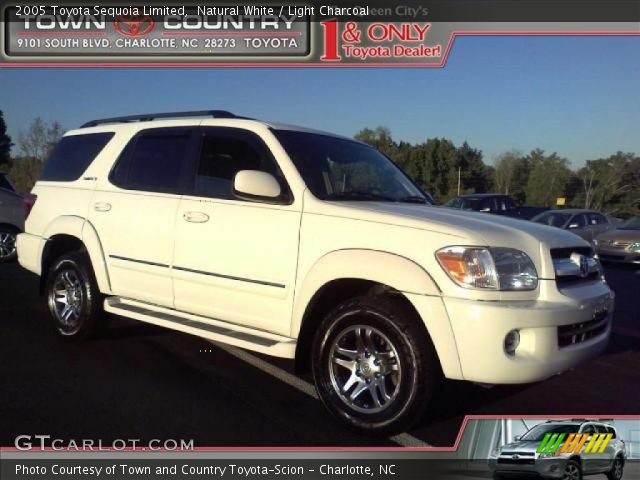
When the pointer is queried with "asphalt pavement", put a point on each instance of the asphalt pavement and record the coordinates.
(143, 382)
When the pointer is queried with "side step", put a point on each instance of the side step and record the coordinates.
(211, 329)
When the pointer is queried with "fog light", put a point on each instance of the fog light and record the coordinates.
(511, 342)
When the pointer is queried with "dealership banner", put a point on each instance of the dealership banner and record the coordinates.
(293, 34)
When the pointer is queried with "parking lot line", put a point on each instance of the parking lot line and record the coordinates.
(403, 439)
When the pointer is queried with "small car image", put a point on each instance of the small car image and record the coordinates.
(584, 223)
(11, 219)
(622, 244)
(573, 457)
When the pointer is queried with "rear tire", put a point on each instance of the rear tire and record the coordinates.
(8, 236)
(374, 365)
(617, 469)
(73, 298)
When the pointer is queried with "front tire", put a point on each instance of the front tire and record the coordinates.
(617, 470)
(8, 236)
(73, 298)
(374, 365)
(572, 471)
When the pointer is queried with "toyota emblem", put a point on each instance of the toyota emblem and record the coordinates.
(134, 25)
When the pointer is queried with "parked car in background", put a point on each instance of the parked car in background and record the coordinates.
(621, 244)
(524, 457)
(498, 204)
(485, 202)
(587, 224)
(11, 219)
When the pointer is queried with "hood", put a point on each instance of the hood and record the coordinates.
(621, 235)
(477, 228)
(521, 446)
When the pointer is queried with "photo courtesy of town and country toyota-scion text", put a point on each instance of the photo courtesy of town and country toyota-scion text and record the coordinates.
(309, 240)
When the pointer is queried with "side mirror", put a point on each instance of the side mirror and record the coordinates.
(517, 438)
(573, 225)
(256, 185)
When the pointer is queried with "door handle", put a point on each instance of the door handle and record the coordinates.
(196, 217)
(102, 207)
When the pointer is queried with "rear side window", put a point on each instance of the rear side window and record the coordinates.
(597, 219)
(153, 161)
(4, 183)
(72, 156)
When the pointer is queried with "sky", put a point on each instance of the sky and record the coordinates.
(577, 96)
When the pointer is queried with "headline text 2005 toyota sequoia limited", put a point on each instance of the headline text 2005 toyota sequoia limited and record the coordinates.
(309, 246)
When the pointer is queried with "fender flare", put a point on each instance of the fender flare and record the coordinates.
(384, 268)
(84, 231)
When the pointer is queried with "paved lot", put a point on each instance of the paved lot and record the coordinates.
(143, 382)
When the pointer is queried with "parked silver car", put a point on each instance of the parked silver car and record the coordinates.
(622, 244)
(563, 450)
(587, 224)
(11, 219)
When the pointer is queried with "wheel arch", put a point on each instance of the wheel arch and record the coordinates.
(73, 233)
(343, 274)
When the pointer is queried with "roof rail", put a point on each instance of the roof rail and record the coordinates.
(155, 116)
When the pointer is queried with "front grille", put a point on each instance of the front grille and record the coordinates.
(581, 332)
(607, 256)
(517, 461)
(560, 253)
(566, 262)
(522, 454)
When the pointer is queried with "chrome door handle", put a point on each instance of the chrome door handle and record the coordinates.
(102, 207)
(196, 217)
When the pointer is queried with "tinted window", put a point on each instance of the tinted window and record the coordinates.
(224, 153)
(581, 220)
(612, 431)
(345, 170)
(72, 156)
(152, 162)
(554, 219)
(589, 429)
(538, 432)
(4, 183)
(597, 219)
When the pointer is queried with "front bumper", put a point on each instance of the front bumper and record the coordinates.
(542, 467)
(480, 328)
(618, 255)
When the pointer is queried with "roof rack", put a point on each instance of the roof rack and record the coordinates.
(155, 116)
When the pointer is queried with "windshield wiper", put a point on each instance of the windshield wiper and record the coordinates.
(355, 195)
(413, 199)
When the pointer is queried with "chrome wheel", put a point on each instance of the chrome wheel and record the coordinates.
(365, 369)
(572, 472)
(66, 299)
(7, 245)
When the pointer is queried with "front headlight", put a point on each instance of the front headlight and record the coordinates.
(503, 269)
(546, 455)
(634, 246)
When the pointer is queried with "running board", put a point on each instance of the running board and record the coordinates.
(211, 329)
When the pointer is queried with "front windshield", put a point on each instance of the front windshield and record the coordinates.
(632, 224)
(341, 169)
(537, 433)
(555, 219)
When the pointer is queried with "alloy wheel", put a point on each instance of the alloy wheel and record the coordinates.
(67, 298)
(365, 369)
(572, 472)
(7, 245)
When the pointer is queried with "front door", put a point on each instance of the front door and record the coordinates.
(235, 260)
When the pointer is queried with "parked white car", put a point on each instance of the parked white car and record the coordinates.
(11, 219)
(309, 246)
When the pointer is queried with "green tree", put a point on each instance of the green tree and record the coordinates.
(5, 143)
(548, 178)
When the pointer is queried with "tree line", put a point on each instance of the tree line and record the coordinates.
(611, 184)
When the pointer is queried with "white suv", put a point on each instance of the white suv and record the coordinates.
(309, 246)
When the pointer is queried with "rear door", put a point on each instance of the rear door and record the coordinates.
(598, 223)
(235, 259)
(579, 225)
(134, 213)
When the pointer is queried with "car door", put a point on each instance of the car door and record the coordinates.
(599, 224)
(589, 461)
(133, 212)
(235, 259)
(579, 225)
